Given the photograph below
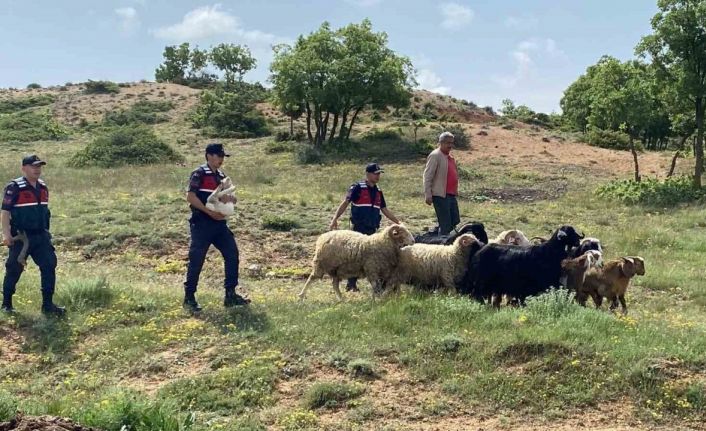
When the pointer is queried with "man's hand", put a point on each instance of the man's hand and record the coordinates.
(429, 201)
(7, 239)
(333, 225)
(216, 215)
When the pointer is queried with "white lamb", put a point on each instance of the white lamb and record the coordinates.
(225, 188)
(345, 254)
(512, 237)
(436, 265)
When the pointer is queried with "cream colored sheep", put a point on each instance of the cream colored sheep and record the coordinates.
(436, 265)
(511, 237)
(214, 203)
(345, 254)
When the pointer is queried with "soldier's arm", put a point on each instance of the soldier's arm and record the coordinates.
(389, 215)
(196, 203)
(341, 209)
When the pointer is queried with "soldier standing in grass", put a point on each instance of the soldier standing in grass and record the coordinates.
(367, 202)
(441, 184)
(209, 228)
(25, 229)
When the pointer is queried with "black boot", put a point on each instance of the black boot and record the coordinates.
(191, 304)
(7, 304)
(232, 299)
(48, 306)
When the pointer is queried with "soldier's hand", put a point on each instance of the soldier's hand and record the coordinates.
(216, 215)
(333, 225)
(7, 240)
(428, 201)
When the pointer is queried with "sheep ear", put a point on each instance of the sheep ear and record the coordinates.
(466, 241)
(395, 231)
(628, 267)
(561, 234)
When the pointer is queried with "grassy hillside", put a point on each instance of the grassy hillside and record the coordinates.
(128, 354)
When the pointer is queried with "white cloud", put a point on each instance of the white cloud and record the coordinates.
(129, 21)
(210, 21)
(455, 15)
(522, 57)
(428, 80)
(363, 3)
(525, 22)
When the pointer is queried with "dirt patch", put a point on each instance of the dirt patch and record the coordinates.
(522, 194)
(42, 423)
(517, 148)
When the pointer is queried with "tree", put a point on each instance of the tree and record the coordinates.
(334, 75)
(678, 48)
(176, 62)
(233, 60)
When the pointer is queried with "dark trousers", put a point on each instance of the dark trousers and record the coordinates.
(42, 253)
(352, 282)
(446, 213)
(205, 233)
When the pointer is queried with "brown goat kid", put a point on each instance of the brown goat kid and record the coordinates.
(573, 271)
(611, 282)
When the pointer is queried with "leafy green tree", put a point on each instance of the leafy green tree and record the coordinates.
(337, 74)
(678, 48)
(233, 60)
(176, 63)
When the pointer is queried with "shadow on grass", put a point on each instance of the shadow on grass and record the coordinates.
(45, 334)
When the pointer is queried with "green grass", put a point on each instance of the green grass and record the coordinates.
(127, 354)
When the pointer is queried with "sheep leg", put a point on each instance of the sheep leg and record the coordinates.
(302, 294)
(623, 304)
(497, 299)
(597, 299)
(336, 281)
(613, 303)
(581, 298)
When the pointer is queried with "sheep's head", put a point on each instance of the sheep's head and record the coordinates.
(568, 236)
(477, 229)
(632, 265)
(516, 237)
(595, 258)
(400, 235)
(226, 183)
(466, 240)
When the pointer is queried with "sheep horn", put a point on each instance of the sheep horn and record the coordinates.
(582, 236)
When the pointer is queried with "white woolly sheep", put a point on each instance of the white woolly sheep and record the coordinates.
(511, 237)
(214, 203)
(436, 265)
(345, 254)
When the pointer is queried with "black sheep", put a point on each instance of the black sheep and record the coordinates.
(477, 229)
(499, 269)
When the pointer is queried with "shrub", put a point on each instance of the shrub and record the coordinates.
(27, 126)
(8, 405)
(309, 155)
(82, 295)
(20, 103)
(33, 85)
(229, 115)
(462, 140)
(279, 223)
(101, 87)
(299, 420)
(361, 368)
(651, 191)
(381, 135)
(609, 139)
(279, 147)
(125, 146)
(142, 112)
(330, 395)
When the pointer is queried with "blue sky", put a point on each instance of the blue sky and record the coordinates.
(483, 51)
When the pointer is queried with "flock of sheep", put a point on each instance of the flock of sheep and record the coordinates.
(510, 266)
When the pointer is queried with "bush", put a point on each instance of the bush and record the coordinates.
(362, 368)
(279, 147)
(20, 103)
(27, 126)
(462, 140)
(135, 145)
(610, 139)
(33, 85)
(330, 395)
(142, 112)
(101, 87)
(381, 135)
(651, 191)
(229, 115)
(81, 295)
(8, 405)
(279, 223)
(309, 155)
